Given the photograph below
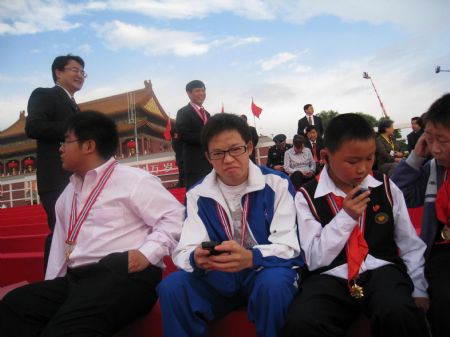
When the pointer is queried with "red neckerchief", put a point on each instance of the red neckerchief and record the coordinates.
(356, 248)
(443, 200)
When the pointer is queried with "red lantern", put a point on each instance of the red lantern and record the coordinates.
(131, 144)
(28, 162)
(13, 165)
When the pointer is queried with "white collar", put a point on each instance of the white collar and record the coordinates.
(326, 185)
(68, 93)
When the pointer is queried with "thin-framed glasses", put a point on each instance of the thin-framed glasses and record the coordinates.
(77, 71)
(234, 152)
(68, 142)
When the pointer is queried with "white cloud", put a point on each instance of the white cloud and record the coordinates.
(34, 16)
(181, 9)
(235, 41)
(277, 60)
(414, 15)
(85, 49)
(118, 35)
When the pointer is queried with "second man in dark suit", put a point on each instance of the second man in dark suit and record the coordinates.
(190, 121)
(315, 144)
(48, 111)
(309, 119)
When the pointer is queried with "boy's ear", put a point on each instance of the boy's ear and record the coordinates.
(250, 148)
(324, 153)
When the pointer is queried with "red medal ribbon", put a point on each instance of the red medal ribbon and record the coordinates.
(76, 221)
(226, 222)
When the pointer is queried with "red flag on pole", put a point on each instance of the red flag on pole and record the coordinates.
(223, 110)
(167, 135)
(256, 109)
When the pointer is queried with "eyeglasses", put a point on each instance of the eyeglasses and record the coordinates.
(234, 152)
(62, 144)
(77, 71)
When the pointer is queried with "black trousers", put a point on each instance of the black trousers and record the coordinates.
(48, 200)
(438, 275)
(325, 308)
(91, 300)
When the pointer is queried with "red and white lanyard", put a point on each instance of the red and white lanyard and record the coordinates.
(76, 221)
(226, 222)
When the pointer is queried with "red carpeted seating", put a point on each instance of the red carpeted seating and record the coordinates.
(22, 234)
(23, 230)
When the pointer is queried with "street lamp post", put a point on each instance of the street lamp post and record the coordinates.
(367, 77)
(438, 70)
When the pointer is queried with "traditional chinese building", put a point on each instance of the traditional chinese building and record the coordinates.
(141, 122)
(140, 118)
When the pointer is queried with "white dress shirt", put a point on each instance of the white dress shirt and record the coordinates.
(323, 244)
(302, 161)
(133, 211)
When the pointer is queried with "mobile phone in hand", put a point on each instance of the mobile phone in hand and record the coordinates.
(210, 246)
(361, 191)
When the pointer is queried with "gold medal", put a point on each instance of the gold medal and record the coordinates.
(356, 291)
(70, 246)
(445, 233)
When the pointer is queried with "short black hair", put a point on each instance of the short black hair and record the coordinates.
(224, 122)
(384, 124)
(306, 107)
(194, 84)
(309, 128)
(98, 127)
(418, 120)
(61, 61)
(346, 127)
(298, 140)
(439, 112)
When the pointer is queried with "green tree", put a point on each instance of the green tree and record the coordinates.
(326, 116)
(369, 118)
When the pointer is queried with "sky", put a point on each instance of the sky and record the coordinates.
(284, 54)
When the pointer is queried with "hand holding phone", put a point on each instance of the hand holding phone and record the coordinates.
(210, 246)
(361, 191)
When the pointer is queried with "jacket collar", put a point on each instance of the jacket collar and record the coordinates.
(208, 188)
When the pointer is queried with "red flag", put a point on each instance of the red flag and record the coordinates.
(167, 135)
(223, 110)
(256, 109)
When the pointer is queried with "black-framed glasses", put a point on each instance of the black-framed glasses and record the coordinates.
(68, 142)
(77, 71)
(234, 152)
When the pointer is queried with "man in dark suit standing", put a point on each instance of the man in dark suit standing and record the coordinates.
(315, 144)
(309, 119)
(417, 131)
(190, 122)
(48, 111)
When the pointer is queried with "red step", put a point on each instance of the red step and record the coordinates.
(23, 230)
(16, 267)
(22, 243)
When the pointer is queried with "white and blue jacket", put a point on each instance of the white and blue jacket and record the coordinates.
(271, 220)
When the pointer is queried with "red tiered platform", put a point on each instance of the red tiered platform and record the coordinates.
(22, 234)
